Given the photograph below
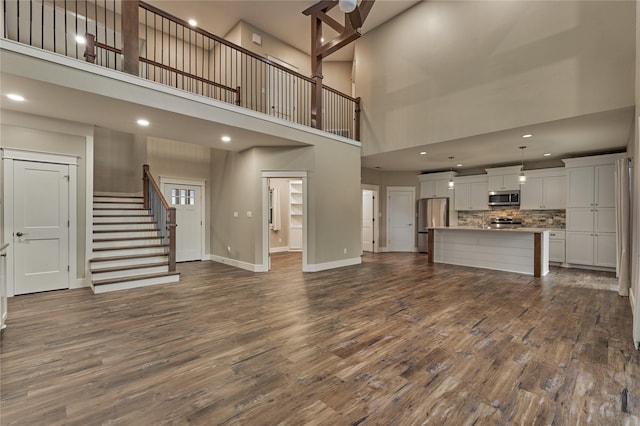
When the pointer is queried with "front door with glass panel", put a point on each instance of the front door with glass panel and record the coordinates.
(187, 199)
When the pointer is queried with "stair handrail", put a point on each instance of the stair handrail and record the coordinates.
(163, 214)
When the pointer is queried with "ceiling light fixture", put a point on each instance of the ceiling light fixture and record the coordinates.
(528, 135)
(547, 154)
(15, 97)
(347, 6)
(143, 122)
(459, 165)
(423, 153)
(193, 22)
(226, 139)
(451, 184)
(522, 179)
(80, 39)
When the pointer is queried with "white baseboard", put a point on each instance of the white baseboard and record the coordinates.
(317, 267)
(632, 300)
(118, 194)
(239, 264)
(207, 256)
(80, 283)
(589, 267)
(278, 249)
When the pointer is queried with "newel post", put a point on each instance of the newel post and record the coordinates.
(145, 185)
(90, 48)
(130, 49)
(356, 130)
(171, 227)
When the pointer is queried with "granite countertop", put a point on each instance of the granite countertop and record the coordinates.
(475, 228)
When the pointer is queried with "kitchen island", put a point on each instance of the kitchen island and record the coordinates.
(521, 250)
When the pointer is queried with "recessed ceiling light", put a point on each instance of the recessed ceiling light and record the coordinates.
(459, 165)
(321, 39)
(143, 122)
(547, 154)
(15, 97)
(528, 135)
(226, 139)
(80, 39)
(193, 22)
(423, 153)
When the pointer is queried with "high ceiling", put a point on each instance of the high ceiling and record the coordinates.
(281, 19)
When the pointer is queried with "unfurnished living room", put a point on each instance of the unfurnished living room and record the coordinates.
(337, 212)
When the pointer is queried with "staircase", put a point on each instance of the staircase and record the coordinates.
(128, 250)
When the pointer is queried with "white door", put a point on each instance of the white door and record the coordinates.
(282, 91)
(401, 212)
(187, 199)
(41, 226)
(368, 220)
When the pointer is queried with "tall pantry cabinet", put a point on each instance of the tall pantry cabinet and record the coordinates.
(591, 213)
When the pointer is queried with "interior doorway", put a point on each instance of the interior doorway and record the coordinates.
(285, 217)
(401, 213)
(370, 216)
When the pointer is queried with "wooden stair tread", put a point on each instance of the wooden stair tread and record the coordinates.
(107, 231)
(109, 240)
(129, 247)
(140, 197)
(119, 202)
(127, 257)
(134, 278)
(129, 267)
(120, 208)
(119, 215)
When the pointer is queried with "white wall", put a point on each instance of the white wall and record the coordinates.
(450, 69)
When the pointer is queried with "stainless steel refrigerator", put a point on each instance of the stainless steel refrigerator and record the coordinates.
(431, 212)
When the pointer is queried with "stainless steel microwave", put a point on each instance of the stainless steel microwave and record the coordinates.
(504, 198)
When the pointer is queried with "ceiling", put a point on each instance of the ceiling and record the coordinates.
(282, 19)
(597, 133)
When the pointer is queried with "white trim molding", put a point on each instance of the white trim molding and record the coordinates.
(317, 267)
(238, 263)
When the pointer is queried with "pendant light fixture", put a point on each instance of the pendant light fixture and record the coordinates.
(347, 6)
(522, 179)
(451, 184)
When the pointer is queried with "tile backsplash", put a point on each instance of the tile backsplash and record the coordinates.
(530, 218)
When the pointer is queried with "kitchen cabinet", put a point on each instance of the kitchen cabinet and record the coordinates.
(295, 215)
(591, 216)
(435, 185)
(545, 190)
(556, 246)
(471, 193)
(503, 178)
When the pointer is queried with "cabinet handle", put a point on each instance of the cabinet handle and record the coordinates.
(3, 255)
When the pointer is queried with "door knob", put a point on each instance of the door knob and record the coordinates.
(19, 234)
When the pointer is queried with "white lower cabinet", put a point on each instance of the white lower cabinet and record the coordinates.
(587, 248)
(556, 246)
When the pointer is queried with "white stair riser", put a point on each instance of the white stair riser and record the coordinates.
(124, 219)
(134, 284)
(101, 212)
(133, 234)
(95, 276)
(97, 205)
(145, 242)
(128, 252)
(118, 227)
(118, 199)
(126, 262)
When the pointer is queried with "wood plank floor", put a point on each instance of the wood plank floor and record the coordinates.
(389, 342)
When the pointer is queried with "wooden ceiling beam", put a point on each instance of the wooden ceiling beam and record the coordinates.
(338, 43)
(337, 26)
(321, 6)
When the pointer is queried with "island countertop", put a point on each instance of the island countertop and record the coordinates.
(475, 228)
(521, 250)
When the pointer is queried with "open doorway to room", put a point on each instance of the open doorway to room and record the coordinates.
(370, 214)
(285, 219)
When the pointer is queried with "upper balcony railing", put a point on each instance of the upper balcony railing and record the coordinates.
(173, 53)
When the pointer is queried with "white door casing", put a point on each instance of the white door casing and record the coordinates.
(401, 204)
(40, 190)
(368, 220)
(187, 196)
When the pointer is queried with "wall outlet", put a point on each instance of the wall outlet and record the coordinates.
(279, 240)
(249, 213)
(235, 214)
(229, 249)
(345, 251)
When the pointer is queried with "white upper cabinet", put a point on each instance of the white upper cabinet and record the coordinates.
(435, 185)
(605, 186)
(503, 178)
(471, 193)
(580, 186)
(545, 190)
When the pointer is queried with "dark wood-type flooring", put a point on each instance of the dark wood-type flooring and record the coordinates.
(390, 342)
